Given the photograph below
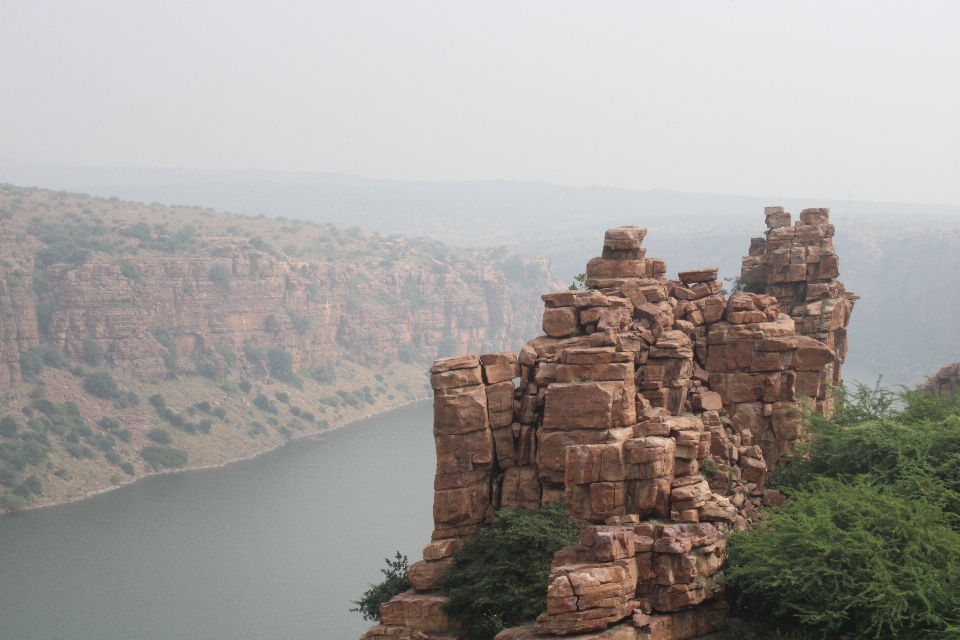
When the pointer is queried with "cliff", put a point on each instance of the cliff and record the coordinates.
(654, 408)
(220, 309)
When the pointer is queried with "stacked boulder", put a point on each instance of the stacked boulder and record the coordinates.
(647, 400)
(797, 265)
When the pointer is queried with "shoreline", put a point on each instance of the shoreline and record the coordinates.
(254, 454)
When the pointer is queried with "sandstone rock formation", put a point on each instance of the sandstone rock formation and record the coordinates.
(215, 286)
(654, 409)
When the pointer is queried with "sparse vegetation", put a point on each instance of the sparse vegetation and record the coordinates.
(158, 456)
(396, 581)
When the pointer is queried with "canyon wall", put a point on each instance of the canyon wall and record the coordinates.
(138, 288)
(654, 410)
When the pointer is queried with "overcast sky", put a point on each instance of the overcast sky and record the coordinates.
(800, 99)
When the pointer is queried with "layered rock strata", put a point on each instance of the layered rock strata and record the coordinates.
(647, 400)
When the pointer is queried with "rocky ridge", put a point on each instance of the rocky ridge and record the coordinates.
(189, 303)
(654, 409)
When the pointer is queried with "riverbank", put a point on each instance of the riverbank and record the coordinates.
(232, 424)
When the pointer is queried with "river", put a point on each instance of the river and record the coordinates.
(273, 547)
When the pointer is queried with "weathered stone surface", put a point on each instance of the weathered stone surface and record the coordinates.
(460, 410)
(500, 367)
(560, 322)
(698, 275)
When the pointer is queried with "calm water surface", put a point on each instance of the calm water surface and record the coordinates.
(274, 547)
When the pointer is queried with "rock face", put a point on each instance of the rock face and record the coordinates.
(232, 294)
(640, 384)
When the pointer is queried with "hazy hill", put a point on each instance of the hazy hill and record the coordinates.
(142, 337)
(900, 258)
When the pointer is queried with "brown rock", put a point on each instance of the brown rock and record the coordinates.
(560, 322)
(500, 367)
(698, 275)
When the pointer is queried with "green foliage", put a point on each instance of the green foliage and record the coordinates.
(851, 558)
(101, 384)
(158, 456)
(414, 296)
(130, 271)
(301, 323)
(127, 468)
(395, 582)
(228, 356)
(253, 353)
(868, 544)
(449, 346)
(579, 282)
(12, 502)
(45, 311)
(34, 359)
(744, 284)
(8, 427)
(245, 386)
(222, 276)
(498, 579)
(408, 353)
(93, 352)
(280, 362)
(264, 403)
(282, 396)
(159, 435)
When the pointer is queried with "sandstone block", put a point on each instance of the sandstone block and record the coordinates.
(425, 575)
(460, 410)
(461, 507)
(500, 404)
(624, 238)
(521, 488)
(444, 365)
(500, 367)
(560, 322)
(581, 406)
(462, 452)
(607, 268)
(456, 378)
(698, 275)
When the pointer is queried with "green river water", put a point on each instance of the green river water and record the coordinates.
(274, 547)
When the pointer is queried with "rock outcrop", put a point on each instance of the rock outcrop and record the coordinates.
(654, 408)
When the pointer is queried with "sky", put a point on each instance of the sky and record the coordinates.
(800, 99)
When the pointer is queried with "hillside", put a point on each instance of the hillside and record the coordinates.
(139, 338)
(909, 249)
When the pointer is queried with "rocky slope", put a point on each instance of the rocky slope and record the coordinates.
(222, 321)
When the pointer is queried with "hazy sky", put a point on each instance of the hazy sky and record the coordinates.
(814, 99)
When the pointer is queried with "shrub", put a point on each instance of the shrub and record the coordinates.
(228, 356)
(31, 362)
(101, 384)
(29, 488)
(448, 347)
(301, 323)
(93, 352)
(395, 582)
(12, 502)
(159, 435)
(205, 425)
(219, 412)
(245, 386)
(129, 270)
(306, 415)
(498, 579)
(253, 353)
(282, 396)
(408, 353)
(8, 427)
(280, 362)
(263, 403)
(127, 468)
(204, 406)
(208, 370)
(851, 558)
(157, 456)
(221, 275)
